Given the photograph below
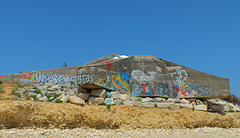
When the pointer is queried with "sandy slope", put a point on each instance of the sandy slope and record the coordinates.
(19, 114)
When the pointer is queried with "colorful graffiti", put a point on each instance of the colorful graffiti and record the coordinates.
(4, 78)
(85, 78)
(45, 77)
(119, 84)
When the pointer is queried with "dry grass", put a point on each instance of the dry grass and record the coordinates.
(64, 115)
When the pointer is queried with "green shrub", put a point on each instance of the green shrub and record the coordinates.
(71, 82)
(14, 89)
(37, 91)
(56, 95)
(58, 101)
(48, 96)
(1, 88)
(231, 111)
(19, 85)
(34, 97)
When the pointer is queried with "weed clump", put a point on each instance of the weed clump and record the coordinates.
(1, 88)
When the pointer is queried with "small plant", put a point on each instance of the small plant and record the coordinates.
(155, 105)
(1, 88)
(24, 92)
(71, 82)
(14, 89)
(108, 106)
(231, 111)
(19, 85)
(58, 101)
(139, 99)
(35, 87)
(37, 91)
(34, 97)
(56, 95)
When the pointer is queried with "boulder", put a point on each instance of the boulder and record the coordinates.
(170, 100)
(177, 101)
(39, 96)
(158, 99)
(82, 90)
(76, 100)
(145, 100)
(128, 103)
(164, 105)
(119, 102)
(212, 107)
(95, 100)
(43, 99)
(70, 92)
(186, 106)
(200, 107)
(184, 101)
(148, 104)
(199, 102)
(31, 94)
(109, 101)
(114, 95)
(193, 103)
(99, 93)
(54, 88)
(123, 97)
(65, 98)
(84, 96)
(137, 103)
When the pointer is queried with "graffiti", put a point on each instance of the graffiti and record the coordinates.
(108, 66)
(25, 75)
(143, 89)
(178, 73)
(4, 78)
(52, 78)
(140, 76)
(85, 78)
(125, 76)
(119, 84)
(45, 77)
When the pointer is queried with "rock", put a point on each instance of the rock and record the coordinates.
(84, 96)
(31, 94)
(51, 98)
(158, 99)
(54, 88)
(108, 94)
(109, 101)
(82, 90)
(145, 100)
(199, 102)
(186, 106)
(128, 103)
(193, 103)
(114, 95)
(39, 96)
(19, 92)
(184, 101)
(148, 104)
(70, 92)
(212, 107)
(76, 100)
(65, 98)
(164, 105)
(95, 100)
(123, 97)
(174, 106)
(99, 93)
(200, 107)
(136, 103)
(118, 102)
(43, 99)
(170, 100)
(177, 101)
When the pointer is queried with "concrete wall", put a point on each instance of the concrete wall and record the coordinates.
(59, 75)
(149, 76)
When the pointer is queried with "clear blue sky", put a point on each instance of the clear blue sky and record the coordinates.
(203, 35)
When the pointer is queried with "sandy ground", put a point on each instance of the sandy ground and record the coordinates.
(39, 119)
